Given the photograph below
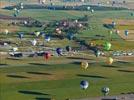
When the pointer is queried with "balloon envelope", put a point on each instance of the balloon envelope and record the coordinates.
(37, 34)
(107, 46)
(97, 53)
(68, 48)
(6, 31)
(47, 38)
(105, 90)
(110, 60)
(59, 51)
(34, 42)
(47, 55)
(126, 32)
(21, 35)
(84, 84)
(84, 65)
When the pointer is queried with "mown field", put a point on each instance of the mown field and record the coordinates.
(35, 79)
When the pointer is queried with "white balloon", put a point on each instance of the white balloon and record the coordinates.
(34, 42)
(92, 10)
(15, 49)
(6, 31)
(84, 84)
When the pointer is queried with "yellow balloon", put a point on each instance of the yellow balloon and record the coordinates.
(84, 65)
(110, 60)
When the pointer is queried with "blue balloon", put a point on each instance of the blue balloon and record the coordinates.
(59, 51)
(47, 38)
(84, 84)
(21, 35)
(70, 36)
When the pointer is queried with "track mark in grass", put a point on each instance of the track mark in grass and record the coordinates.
(123, 62)
(128, 71)
(39, 64)
(42, 98)
(110, 66)
(32, 92)
(39, 73)
(92, 76)
(16, 76)
(79, 58)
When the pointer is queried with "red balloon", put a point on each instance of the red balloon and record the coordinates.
(47, 55)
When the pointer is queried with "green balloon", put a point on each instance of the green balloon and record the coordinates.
(107, 46)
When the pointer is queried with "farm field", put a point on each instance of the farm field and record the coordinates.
(57, 76)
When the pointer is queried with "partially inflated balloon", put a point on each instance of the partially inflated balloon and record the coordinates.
(97, 53)
(59, 51)
(70, 36)
(84, 65)
(84, 84)
(107, 46)
(47, 55)
(105, 90)
(68, 48)
(34, 42)
(110, 60)
(47, 38)
(126, 32)
(37, 34)
(21, 35)
(6, 31)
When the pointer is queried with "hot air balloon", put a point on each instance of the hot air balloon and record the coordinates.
(105, 90)
(15, 49)
(117, 31)
(109, 60)
(132, 14)
(92, 11)
(110, 32)
(97, 53)
(47, 55)
(34, 42)
(84, 65)
(126, 32)
(70, 36)
(21, 7)
(107, 46)
(15, 9)
(47, 38)
(113, 24)
(88, 8)
(84, 84)
(59, 51)
(68, 48)
(37, 34)
(20, 35)
(6, 31)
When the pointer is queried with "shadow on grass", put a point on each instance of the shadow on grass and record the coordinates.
(43, 98)
(39, 64)
(39, 73)
(3, 64)
(17, 76)
(13, 59)
(92, 76)
(76, 62)
(79, 58)
(110, 66)
(123, 62)
(128, 71)
(32, 92)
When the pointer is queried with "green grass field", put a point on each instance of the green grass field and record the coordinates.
(30, 79)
